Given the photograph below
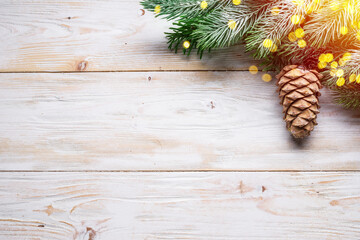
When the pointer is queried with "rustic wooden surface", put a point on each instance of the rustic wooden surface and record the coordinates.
(106, 134)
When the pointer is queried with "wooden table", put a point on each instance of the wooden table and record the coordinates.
(106, 134)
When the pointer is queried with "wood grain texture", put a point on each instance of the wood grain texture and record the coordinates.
(205, 206)
(163, 121)
(96, 35)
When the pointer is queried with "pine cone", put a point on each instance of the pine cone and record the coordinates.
(299, 91)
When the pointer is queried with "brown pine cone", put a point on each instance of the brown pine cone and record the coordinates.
(299, 91)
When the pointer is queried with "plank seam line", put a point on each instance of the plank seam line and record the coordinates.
(180, 171)
(131, 71)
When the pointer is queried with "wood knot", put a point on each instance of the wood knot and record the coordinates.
(82, 66)
(91, 233)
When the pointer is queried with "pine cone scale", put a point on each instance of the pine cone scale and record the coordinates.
(299, 90)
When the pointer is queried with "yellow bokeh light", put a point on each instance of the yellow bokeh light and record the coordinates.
(186, 44)
(236, 2)
(302, 43)
(273, 48)
(340, 82)
(157, 9)
(347, 56)
(332, 72)
(352, 78)
(292, 37)
(340, 73)
(232, 24)
(203, 4)
(334, 64)
(358, 79)
(267, 43)
(358, 35)
(322, 58)
(334, 5)
(253, 69)
(342, 62)
(322, 65)
(266, 77)
(275, 11)
(329, 57)
(295, 19)
(299, 33)
(344, 30)
(298, 2)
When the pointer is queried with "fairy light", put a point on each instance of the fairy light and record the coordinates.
(340, 73)
(253, 69)
(334, 64)
(273, 48)
(203, 4)
(232, 24)
(267, 43)
(322, 58)
(358, 79)
(157, 9)
(275, 11)
(295, 19)
(340, 82)
(299, 33)
(292, 37)
(329, 57)
(266, 77)
(236, 2)
(322, 65)
(298, 2)
(344, 30)
(302, 43)
(352, 78)
(186, 44)
(334, 5)
(347, 56)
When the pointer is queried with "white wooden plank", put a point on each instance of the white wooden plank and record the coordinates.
(96, 35)
(179, 206)
(174, 121)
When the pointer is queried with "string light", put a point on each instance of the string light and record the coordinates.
(302, 43)
(157, 9)
(292, 37)
(347, 56)
(266, 77)
(203, 4)
(344, 30)
(322, 65)
(273, 48)
(267, 43)
(253, 69)
(352, 78)
(295, 19)
(340, 73)
(334, 64)
(232, 24)
(300, 33)
(329, 57)
(275, 11)
(340, 82)
(186, 44)
(322, 58)
(236, 2)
